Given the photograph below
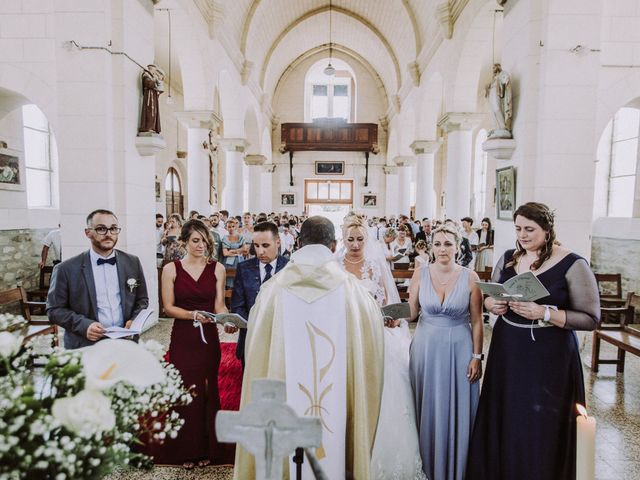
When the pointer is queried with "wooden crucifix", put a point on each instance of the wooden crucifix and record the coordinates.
(268, 428)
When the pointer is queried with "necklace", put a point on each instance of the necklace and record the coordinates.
(438, 278)
(352, 262)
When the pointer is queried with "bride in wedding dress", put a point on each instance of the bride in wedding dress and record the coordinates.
(395, 454)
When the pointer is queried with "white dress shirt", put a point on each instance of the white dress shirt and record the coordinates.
(263, 272)
(108, 298)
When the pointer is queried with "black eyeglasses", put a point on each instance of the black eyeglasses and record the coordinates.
(102, 230)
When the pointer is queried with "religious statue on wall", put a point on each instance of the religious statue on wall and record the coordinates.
(500, 103)
(152, 88)
(213, 170)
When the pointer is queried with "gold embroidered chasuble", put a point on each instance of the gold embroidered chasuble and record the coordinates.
(265, 352)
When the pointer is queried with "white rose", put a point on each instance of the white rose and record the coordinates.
(87, 413)
(9, 344)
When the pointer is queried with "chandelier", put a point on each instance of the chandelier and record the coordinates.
(329, 70)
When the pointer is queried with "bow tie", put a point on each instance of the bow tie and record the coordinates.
(110, 261)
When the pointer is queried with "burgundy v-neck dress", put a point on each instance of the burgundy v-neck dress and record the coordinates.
(198, 364)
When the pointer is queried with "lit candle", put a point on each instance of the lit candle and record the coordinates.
(585, 446)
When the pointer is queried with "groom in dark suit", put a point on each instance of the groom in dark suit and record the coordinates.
(251, 274)
(97, 289)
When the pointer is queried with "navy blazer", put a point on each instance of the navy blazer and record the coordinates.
(71, 301)
(245, 290)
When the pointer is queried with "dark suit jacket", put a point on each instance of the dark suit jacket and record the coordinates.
(245, 290)
(72, 304)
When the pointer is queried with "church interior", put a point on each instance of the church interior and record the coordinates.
(251, 91)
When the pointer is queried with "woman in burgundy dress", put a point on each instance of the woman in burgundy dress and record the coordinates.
(189, 285)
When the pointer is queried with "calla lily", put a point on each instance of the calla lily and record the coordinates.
(111, 361)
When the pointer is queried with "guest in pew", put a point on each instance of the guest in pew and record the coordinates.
(484, 257)
(93, 291)
(422, 254)
(193, 284)
(252, 273)
(172, 249)
(526, 422)
(233, 247)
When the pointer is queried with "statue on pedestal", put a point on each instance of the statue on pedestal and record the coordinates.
(500, 102)
(152, 88)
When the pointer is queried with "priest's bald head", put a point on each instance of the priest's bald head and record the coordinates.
(318, 230)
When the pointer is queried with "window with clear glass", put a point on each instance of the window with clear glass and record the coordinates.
(623, 164)
(38, 146)
(331, 101)
(329, 191)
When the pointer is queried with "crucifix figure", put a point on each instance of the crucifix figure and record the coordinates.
(268, 428)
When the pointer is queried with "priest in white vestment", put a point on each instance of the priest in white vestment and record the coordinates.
(317, 328)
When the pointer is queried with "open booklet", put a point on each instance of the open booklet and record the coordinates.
(137, 326)
(522, 288)
(223, 318)
(395, 311)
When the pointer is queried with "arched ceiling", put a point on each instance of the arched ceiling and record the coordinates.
(271, 34)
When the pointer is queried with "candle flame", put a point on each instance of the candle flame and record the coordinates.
(581, 410)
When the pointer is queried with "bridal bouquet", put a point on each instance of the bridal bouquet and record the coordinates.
(76, 414)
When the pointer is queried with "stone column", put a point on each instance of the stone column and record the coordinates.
(391, 186)
(232, 193)
(458, 128)
(198, 124)
(425, 152)
(404, 164)
(255, 163)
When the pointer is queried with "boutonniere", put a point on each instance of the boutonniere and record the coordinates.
(132, 284)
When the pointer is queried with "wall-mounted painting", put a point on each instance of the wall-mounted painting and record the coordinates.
(369, 200)
(12, 176)
(287, 199)
(506, 192)
(329, 168)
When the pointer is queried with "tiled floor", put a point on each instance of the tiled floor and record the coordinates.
(613, 399)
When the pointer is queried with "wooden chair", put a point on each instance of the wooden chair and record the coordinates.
(228, 292)
(38, 325)
(610, 288)
(40, 294)
(625, 337)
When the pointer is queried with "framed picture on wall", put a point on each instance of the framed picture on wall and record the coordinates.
(369, 200)
(12, 175)
(329, 168)
(505, 192)
(287, 199)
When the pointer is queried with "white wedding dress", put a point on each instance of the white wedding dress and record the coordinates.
(396, 454)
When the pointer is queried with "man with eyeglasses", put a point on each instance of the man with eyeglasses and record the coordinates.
(97, 289)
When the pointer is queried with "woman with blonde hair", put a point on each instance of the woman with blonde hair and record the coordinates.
(173, 250)
(445, 356)
(395, 453)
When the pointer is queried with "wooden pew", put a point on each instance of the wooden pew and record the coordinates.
(610, 289)
(625, 337)
(38, 325)
(402, 275)
(40, 294)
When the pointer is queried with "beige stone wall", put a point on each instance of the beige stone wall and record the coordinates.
(19, 254)
(614, 255)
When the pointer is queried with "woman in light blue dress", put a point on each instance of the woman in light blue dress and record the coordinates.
(445, 357)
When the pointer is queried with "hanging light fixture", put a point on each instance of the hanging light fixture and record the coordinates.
(329, 70)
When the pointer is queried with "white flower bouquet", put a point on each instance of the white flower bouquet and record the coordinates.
(80, 414)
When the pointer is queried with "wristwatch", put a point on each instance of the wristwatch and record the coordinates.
(547, 314)
(478, 356)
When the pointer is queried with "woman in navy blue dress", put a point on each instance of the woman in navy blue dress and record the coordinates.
(526, 421)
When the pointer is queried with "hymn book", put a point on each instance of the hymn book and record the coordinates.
(225, 318)
(394, 311)
(522, 288)
(137, 326)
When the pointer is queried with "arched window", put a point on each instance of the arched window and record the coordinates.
(40, 153)
(173, 190)
(479, 176)
(330, 97)
(616, 172)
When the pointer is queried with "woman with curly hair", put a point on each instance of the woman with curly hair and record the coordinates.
(526, 422)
